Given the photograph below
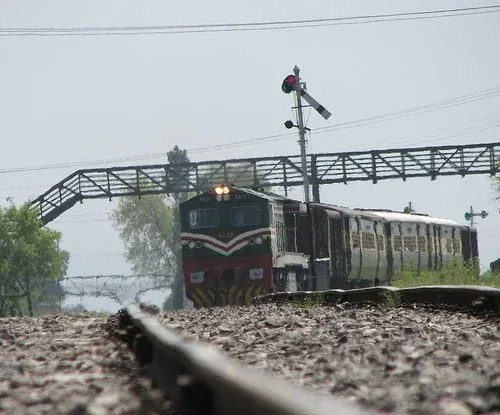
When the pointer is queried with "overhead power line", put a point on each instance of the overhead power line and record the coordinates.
(244, 26)
(440, 105)
(445, 104)
(440, 135)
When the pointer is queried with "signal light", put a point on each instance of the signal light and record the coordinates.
(288, 84)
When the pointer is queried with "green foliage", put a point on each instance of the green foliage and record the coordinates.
(309, 301)
(29, 259)
(452, 274)
(150, 228)
(390, 299)
(176, 156)
(146, 228)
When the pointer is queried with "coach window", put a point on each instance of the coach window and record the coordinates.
(203, 218)
(246, 216)
(368, 240)
(422, 243)
(355, 239)
(397, 242)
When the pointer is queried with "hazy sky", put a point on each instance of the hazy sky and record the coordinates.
(84, 99)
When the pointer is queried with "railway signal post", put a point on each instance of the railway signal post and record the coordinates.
(292, 83)
(470, 215)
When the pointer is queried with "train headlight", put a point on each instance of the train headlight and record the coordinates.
(222, 189)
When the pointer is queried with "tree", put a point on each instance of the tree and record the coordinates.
(176, 156)
(150, 229)
(29, 259)
(146, 228)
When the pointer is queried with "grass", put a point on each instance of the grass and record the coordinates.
(311, 300)
(391, 299)
(452, 274)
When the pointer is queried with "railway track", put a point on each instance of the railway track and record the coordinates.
(67, 364)
(452, 347)
(426, 350)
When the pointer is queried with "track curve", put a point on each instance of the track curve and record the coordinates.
(384, 356)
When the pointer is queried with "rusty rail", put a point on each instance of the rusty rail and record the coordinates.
(467, 297)
(201, 381)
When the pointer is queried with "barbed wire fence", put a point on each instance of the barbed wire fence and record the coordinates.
(117, 287)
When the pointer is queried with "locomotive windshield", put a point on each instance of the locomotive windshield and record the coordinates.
(246, 216)
(203, 218)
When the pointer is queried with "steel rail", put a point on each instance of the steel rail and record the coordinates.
(201, 381)
(469, 297)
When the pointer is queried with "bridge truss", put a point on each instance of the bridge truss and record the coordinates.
(280, 171)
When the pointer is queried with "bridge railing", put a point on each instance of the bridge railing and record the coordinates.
(282, 171)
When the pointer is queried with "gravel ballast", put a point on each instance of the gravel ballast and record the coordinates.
(68, 364)
(394, 360)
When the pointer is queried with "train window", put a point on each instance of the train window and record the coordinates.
(368, 240)
(456, 246)
(355, 239)
(397, 243)
(410, 243)
(422, 244)
(203, 218)
(246, 216)
(380, 242)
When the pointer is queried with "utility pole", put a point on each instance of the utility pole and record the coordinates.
(302, 134)
(470, 215)
(292, 83)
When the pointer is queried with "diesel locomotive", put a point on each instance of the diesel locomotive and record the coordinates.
(238, 243)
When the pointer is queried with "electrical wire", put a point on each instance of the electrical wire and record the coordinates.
(245, 26)
(430, 137)
(439, 105)
(84, 220)
(444, 104)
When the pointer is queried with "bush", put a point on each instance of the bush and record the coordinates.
(451, 274)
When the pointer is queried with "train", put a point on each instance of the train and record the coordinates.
(238, 243)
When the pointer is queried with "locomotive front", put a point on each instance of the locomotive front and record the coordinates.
(226, 246)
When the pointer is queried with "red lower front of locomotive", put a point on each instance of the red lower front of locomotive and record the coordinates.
(223, 281)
